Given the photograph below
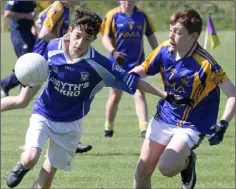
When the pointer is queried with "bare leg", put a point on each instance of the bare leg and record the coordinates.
(46, 176)
(149, 157)
(141, 109)
(112, 107)
(173, 159)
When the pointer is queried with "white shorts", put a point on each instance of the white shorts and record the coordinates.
(64, 139)
(162, 133)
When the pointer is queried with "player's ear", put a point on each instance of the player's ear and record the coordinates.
(94, 37)
(194, 36)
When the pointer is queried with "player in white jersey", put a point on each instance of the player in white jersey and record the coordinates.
(77, 72)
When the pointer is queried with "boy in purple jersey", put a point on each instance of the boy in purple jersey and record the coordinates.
(76, 73)
(123, 30)
(187, 70)
(53, 22)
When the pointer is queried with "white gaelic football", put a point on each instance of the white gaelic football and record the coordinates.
(31, 69)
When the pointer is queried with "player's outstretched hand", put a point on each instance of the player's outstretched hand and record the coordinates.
(178, 100)
(119, 57)
(218, 132)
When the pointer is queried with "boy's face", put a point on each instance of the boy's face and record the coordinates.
(128, 4)
(180, 38)
(79, 40)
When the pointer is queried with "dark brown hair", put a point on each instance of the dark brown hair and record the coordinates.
(88, 20)
(189, 18)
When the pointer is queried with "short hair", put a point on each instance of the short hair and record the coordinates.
(88, 20)
(189, 18)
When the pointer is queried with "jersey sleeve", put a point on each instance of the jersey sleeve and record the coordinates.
(53, 15)
(150, 28)
(114, 76)
(45, 55)
(152, 64)
(107, 24)
(10, 5)
(218, 75)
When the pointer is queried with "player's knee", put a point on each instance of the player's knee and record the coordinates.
(139, 95)
(30, 157)
(115, 97)
(166, 168)
(143, 170)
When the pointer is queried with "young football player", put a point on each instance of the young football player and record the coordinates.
(53, 22)
(123, 30)
(188, 70)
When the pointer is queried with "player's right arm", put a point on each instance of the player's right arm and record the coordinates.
(107, 33)
(9, 12)
(108, 41)
(53, 15)
(20, 101)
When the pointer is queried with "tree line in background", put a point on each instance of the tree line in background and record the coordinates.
(223, 12)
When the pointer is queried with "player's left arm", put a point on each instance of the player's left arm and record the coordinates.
(150, 32)
(221, 79)
(152, 40)
(230, 91)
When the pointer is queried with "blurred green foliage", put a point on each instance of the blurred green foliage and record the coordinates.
(223, 12)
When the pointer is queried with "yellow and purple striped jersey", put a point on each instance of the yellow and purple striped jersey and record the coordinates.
(196, 75)
(56, 18)
(126, 33)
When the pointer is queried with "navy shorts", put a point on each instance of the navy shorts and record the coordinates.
(22, 43)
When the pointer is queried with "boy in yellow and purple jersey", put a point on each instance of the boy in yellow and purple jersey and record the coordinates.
(53, 22)
(190, 71)
(123, 29)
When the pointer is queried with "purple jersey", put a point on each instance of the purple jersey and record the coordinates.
(126, 33)
(196, 75)
(71, 87)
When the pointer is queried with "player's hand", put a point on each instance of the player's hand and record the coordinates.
(218, 132)
(119, 57)
(13, 70)
(178, 100)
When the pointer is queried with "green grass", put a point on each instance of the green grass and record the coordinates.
(112, 161)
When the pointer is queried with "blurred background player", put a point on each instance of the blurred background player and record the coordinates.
(21, 15)
(188, 70)
(123, 29)
(53, 22)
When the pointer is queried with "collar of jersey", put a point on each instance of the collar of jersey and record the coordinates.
(87, 55)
